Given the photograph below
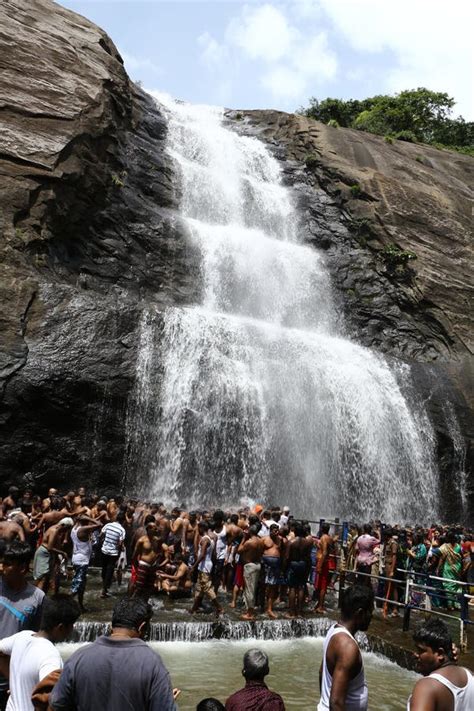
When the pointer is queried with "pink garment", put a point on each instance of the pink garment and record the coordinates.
(365, 545)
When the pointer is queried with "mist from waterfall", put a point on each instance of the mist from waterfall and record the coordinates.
(255, 393)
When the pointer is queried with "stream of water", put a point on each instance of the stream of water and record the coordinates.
(214, 669)
(255, 393)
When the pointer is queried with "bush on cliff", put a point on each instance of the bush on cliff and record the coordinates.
(421, 114)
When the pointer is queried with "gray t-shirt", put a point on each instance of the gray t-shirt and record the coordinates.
(114, 675)
(19, 610)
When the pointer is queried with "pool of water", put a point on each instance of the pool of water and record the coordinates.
(213, 668)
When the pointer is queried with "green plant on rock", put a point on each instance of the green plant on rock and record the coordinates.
(388, 139)
(419, 159)
(334, 123)
(311, 161)
(356, 190)
(117, 180)
(396, 259)
(238, 116)
(407, 136)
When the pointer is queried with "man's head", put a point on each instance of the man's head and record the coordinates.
(434, 646)
(358, 606)
(66, 522)
(325, 528)
(274, 529)
(256, 665)
(286, 510)
(15, 564)
(203, 527)
(58, 617)
(210, 704)
(133, 614)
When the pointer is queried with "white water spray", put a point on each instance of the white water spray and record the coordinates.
(253, 393)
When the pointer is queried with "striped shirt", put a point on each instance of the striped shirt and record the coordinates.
(114, 535)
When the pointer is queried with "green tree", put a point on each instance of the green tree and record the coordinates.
(422, 114)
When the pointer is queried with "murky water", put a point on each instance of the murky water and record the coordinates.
(202, 669)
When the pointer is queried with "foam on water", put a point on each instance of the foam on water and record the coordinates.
(255, 393)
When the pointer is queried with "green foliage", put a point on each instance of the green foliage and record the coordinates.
(419, 158)
(405, 135)
(355, 190)
(118, 180)
(238, 116)
(396, 259)
(388, 139)
(311, 161)
(414, 115)
(334, 123)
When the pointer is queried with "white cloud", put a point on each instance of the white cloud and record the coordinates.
(284, 82)
(213, 54)
(262, 33)
(315, 58)
(133, 63)
(430, 41)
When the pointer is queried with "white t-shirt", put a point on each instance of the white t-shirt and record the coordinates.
(31, 660)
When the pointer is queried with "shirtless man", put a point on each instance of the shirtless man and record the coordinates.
(47, 501)
(272, 564)
(45, 555)
(298, 567)
(189, 536)
(179, 584)
(234, 537)
(175, 537)
(322, 567)
(57, 512)
(251, 551)
(146, 556)
(11, 531)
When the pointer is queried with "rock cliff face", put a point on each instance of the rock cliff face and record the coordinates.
(90, 233)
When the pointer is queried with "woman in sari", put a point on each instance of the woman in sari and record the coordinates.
(450, 566)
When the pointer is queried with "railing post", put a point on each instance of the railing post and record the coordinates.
(407, 609)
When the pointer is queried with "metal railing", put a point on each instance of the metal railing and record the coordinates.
(408, 604)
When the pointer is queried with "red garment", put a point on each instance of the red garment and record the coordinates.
(255, 696)
(239, 575)
(322, 578)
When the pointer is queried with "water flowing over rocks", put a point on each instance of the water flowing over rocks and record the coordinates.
(92, 245)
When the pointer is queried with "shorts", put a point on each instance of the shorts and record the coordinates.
(122, 561)
(204, 586)
(78, 583)
(42, 563)
(271, 565)
(297, 573)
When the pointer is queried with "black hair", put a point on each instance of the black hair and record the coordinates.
(325, 528)
(59, 609)
(435, 634)
(17, 552)
(367, 528)
(218, 516)
(357, 597)
(210, 704)
(299, 529)
(131, 612)
(120, 517)
(149, 518)
(234, 518)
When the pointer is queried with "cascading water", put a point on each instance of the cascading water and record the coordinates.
(254, 393)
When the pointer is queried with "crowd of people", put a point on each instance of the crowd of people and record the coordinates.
(261, 559)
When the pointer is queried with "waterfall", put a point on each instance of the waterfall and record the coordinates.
(255, 393)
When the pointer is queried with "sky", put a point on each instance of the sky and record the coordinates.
(273, 54)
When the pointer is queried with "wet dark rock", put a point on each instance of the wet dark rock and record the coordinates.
(90, 233)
